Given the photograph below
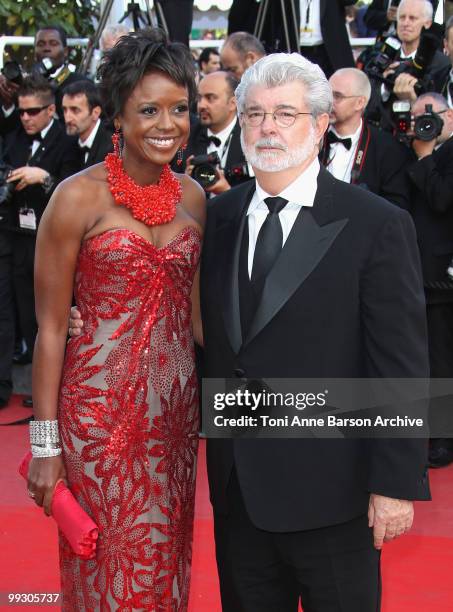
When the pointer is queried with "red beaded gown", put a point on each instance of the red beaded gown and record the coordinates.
(128, 415)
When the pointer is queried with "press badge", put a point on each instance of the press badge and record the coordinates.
(306, 34)
(27, 218)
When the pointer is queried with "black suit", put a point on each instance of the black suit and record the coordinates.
(382, 170)
(102, 145)
(333, 28)
(327, 310)
(58, 155)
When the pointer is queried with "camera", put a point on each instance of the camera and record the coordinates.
(401, 118)
(237, 173)
(205, 169)
(379, 58)
(13, 72)
(6, 189)
(429, 125)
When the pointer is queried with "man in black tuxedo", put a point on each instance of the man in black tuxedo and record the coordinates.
(82, 114)
(317, 28)
(41, 155)
(359, 153)
(343, 297)
(443, 78)
(218, 131)
(51, 44)
(431, 207)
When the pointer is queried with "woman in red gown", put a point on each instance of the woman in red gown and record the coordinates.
(125, 237)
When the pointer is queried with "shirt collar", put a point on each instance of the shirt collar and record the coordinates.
(410, 56)
(89, 141)
(46, 129)
(306, 184)
(223, 134)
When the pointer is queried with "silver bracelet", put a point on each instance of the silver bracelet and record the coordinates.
(44, 432)
(45, 451)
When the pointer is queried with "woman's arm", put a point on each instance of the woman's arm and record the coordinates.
(194, 202)
(61, 230)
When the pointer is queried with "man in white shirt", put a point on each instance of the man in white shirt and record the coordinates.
(356, 152)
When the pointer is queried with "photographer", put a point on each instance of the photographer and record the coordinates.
(431, 178)
(40, 155)
(412, 17)
(218, 132)
(51, 57)
(356, 152)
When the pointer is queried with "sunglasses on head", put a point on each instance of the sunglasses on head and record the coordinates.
(33, 111)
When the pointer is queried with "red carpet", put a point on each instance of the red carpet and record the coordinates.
(417, 568)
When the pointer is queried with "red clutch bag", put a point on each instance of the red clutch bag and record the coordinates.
(72, 520)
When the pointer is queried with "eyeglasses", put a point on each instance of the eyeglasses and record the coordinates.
(32, 111)
(282, 118)
(339, 97)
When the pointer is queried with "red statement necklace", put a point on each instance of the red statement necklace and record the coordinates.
(151, 204)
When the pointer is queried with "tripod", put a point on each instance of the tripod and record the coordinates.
(290, 30)
(139, 19)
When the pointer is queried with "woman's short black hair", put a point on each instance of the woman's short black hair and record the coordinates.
(138, 54)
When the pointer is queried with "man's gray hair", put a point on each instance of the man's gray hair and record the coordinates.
(427, 8)
(282, 68)
(428, 97)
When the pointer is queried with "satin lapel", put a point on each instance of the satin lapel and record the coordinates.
(235, 155)
(228, 242)
(322, 8)
(304, 249)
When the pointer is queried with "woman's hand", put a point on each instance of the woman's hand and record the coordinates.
(43, 475)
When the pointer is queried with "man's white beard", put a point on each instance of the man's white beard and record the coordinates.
(269, 161)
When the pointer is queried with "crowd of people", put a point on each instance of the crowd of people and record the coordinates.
(321, 190)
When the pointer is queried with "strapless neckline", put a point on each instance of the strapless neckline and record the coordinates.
(126, 230)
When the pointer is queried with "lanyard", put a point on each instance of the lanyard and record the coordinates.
(307, 14)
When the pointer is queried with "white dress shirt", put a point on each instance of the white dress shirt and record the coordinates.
(89, 141)
(37, 143)
(225, 140)
(300, 192)
(310, 31)
(342, 160)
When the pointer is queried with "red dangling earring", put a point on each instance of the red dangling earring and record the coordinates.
(180, 154)
(118, 142)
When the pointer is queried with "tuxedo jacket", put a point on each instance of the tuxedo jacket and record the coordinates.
(383, 169)
(243, 15)
(344, 299)
(431, 207)
(57, 153)
(102, 145)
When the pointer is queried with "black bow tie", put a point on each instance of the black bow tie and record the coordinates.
(35, 137)
(207, 140)
(333, 138)
(84, 150)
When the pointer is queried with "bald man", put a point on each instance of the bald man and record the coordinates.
(356, 152)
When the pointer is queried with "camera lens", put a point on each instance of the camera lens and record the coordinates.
(12, 72)
(205, 174)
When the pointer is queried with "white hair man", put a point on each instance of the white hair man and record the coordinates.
(305, 276)
(411, 18)
(356, 152)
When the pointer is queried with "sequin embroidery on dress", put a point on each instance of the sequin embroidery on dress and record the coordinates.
(128, 415)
